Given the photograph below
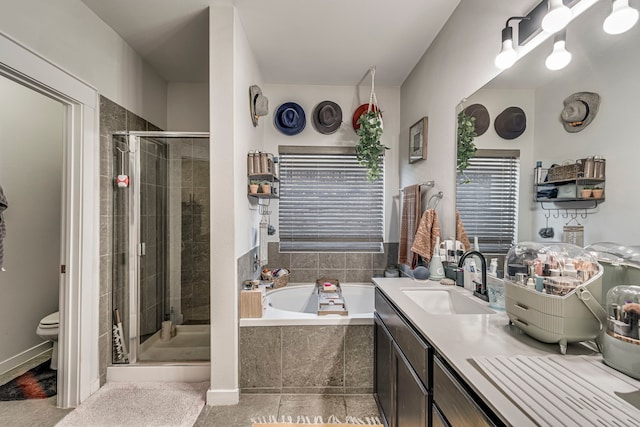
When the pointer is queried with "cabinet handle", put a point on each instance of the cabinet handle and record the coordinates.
(521, 321)
(521, 306)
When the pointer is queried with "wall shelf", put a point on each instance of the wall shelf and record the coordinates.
(262, 162)
(563, 205)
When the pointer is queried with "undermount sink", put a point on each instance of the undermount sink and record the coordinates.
(442, 301)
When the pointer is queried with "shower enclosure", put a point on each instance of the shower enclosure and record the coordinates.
(161, 247)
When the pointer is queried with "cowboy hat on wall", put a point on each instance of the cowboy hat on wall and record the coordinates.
(511, 123)
(327, 117)
(258, 104)
(289, 118)
(579, 110)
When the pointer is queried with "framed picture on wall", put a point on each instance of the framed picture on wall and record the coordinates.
(418, 140)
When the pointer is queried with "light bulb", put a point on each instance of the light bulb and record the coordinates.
(559, 57)
(557, 17)
(622, 18)
(507, 56)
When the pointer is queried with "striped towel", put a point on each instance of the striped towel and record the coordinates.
(3, 228)
(409, 224)
(424, 244)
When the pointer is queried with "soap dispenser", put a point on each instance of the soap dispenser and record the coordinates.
(436, 268)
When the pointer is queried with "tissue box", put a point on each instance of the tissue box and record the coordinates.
(251, 304)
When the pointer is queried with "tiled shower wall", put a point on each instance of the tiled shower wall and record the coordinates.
(306, 267)
(113, 118)
(195, 226)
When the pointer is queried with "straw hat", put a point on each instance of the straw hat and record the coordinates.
(258, 104)
(579, 110)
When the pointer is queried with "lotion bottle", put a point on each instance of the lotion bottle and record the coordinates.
(436, 269)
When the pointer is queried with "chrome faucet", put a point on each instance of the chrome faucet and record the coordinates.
(480, 289)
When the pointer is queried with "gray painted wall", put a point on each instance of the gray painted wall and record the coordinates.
(31, 155)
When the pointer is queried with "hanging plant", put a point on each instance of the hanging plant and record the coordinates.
(466, 148)
(369, 148)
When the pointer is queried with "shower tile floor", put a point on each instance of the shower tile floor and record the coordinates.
(191, 343)
(43, 413)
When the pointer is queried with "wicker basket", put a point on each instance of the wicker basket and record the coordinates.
(562, 173)
(280, 282)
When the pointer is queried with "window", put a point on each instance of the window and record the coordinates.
(326, 203)
(488, 204)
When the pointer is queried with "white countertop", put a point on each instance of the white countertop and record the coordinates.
(460, 337)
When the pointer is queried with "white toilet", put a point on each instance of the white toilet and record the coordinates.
(48, 330)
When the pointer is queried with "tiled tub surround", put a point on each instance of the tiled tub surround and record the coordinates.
(330, 359)
(347, 267)
(310, 359)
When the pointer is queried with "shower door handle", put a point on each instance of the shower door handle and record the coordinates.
(142, 250)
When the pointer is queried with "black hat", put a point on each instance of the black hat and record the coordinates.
(327, 117)
(511, 123)
(290, 119)
(481, 115)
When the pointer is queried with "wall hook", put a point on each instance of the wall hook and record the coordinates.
(557, 214)
(585, 214)
(565, 215)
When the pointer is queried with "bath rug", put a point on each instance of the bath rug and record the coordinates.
(140, 405)
(332, 421)
(37, 383)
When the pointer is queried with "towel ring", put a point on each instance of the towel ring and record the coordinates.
(437, 196)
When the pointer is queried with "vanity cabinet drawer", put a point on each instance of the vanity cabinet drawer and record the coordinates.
(453, 401)
(414, 348)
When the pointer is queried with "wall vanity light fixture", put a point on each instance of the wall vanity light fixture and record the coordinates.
(622, 18)
(557, 17)
(559, 57)
(507, 56)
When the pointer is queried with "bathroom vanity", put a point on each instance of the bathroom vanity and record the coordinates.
(425, 372)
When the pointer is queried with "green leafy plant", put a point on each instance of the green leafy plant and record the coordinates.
(466, 148)
(369, 148)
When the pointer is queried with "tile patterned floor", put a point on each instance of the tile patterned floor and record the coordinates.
(43, 413)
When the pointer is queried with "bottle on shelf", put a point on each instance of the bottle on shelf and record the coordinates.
(537, 176)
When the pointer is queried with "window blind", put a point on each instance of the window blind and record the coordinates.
(326, 203)
(488, 204)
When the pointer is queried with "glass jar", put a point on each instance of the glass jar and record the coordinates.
(599, 166)
(589, 166)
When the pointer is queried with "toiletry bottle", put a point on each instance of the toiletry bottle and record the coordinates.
(436, 269)
(493, 267)
(473, 274)
(537, 176)
(531, 284)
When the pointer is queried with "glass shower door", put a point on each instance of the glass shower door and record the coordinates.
(168, 248)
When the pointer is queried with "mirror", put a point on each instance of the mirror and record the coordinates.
(605, 64)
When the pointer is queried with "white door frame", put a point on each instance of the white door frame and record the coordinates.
(78, 366)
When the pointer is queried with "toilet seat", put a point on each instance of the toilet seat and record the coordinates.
(51, 321)
(48, 330)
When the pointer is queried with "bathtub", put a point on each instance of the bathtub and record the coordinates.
(296, 304)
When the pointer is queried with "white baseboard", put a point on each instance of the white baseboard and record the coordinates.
(193, 373)
(223, 397)
(25, 356)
